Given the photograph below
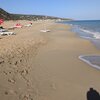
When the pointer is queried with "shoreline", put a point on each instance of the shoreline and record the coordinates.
(45, 66)
(96, 45)
(81, 57)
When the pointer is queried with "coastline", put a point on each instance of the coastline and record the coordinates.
(95, 65)
(87, 35)
(45, 66)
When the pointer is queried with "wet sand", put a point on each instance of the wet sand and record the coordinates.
(45, 66)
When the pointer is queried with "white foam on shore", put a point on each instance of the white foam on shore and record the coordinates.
(86, 37)
(96, 35)
(88, 62)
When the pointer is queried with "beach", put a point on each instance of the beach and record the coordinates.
(45, 66)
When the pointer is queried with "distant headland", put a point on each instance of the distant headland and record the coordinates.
(8, 16)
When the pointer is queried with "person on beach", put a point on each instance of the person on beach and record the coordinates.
(92, 94)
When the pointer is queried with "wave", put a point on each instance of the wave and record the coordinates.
(96, 35)
(93, 33)
(86, 37)
(81, 57)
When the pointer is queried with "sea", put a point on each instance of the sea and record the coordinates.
(88, 29)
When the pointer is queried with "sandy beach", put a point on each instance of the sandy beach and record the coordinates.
(45, 66)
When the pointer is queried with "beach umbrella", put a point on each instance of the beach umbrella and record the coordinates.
(1, 21)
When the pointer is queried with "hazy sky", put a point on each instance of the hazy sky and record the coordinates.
(76, 9)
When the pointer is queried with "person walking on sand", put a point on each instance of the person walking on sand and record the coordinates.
(92, 94)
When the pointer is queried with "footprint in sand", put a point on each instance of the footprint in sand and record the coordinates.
(29, 94)
(10, 92)
(24, 72)
(6, 73)
(11, 81)
(26, 97)
(53, 86)
(1, 60)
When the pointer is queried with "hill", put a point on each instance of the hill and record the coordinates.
(5, 15)
(8, 16)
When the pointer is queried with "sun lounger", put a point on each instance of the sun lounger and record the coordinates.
(29, 25)
(16, 26)
(44, 30)
(3, 30)
(7, 33)
(13, 27)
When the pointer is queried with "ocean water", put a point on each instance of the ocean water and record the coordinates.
(88, 29)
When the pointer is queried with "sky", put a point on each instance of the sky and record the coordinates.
(74, 9)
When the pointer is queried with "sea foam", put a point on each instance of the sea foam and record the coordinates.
(96, 35)
(86, 59)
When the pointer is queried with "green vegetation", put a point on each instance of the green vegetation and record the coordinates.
(7, 16)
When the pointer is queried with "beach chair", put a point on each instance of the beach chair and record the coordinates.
(28, 25)
(45, 30)
(3, 30)
(6, 32)
(18, 26)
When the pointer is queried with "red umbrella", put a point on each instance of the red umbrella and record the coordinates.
(1, 21)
